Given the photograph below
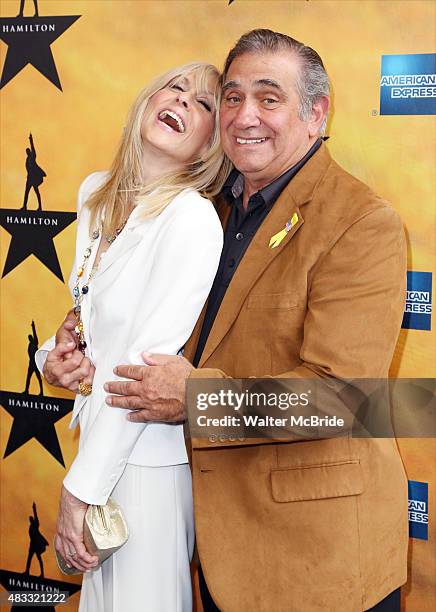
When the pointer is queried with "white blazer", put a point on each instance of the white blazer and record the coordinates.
(147, 294)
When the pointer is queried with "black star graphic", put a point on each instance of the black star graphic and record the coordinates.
(35, 417)
(29, 40)
(15, 582)
(32, 233)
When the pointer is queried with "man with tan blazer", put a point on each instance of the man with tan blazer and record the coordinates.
(309, 525)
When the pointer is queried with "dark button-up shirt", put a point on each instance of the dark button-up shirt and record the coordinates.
(239, 232)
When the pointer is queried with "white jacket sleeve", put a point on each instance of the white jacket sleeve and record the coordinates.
(185, 265)
(90, 184)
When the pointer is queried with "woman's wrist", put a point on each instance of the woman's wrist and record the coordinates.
(72, 499)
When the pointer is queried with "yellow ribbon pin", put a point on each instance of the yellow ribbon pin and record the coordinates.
(277, 238)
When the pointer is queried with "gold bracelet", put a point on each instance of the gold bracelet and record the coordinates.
(84, 389)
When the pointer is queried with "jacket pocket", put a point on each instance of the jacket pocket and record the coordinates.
(272, 300)
(317, 482)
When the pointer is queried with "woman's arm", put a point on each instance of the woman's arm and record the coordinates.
(53, 357)
(69, 532)
(186, 261)
(63, 365)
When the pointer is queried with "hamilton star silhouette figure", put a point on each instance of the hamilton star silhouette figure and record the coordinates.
(29, 40)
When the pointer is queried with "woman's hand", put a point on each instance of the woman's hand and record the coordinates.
(69, 533)
(66, 333)
(65, 367)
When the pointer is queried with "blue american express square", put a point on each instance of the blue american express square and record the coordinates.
(418, 309)
(408, 84)
(418, 510)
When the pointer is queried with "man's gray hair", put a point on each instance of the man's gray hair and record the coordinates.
(313, 82)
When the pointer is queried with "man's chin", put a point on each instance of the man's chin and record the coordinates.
(246, 166)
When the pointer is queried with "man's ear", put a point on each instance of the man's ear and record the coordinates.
(320, 108)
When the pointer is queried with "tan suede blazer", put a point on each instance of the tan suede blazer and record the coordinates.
(316, 525)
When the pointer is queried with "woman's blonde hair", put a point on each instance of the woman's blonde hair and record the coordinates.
(124, 187)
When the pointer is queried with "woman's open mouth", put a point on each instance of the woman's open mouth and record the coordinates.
(172, 120)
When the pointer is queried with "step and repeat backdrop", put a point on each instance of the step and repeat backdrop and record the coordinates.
(69, 71)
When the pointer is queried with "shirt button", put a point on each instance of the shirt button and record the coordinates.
(239, 236)
(231, 263)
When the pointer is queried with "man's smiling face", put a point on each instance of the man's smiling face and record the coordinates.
(261, 129)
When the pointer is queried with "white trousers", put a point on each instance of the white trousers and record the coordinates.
(151, 572)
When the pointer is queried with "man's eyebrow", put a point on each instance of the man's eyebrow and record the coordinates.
(271, 83)
(259, 83)
(231, 85)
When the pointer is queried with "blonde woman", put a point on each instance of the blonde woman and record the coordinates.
(148, 246)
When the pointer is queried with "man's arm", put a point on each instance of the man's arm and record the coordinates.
(355, 306)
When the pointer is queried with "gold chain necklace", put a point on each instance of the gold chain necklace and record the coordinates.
(80, 292)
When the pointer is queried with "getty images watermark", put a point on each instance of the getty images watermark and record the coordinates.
(237, 409)
(230, 399)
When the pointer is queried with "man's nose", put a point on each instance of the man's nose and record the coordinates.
(246, 116)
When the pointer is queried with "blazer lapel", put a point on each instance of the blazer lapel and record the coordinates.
(260, 254)
(129, 238)
(256, 259)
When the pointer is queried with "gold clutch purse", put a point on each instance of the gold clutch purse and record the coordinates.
(104, 531)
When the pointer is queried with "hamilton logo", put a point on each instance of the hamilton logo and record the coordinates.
(35, 415)
(33, 230)
(46, 591)
(29, 39)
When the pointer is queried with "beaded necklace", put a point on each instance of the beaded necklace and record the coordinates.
(79, 293)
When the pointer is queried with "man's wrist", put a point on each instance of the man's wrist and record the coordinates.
(206, 373)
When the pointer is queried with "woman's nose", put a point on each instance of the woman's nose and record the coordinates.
(182, 98)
